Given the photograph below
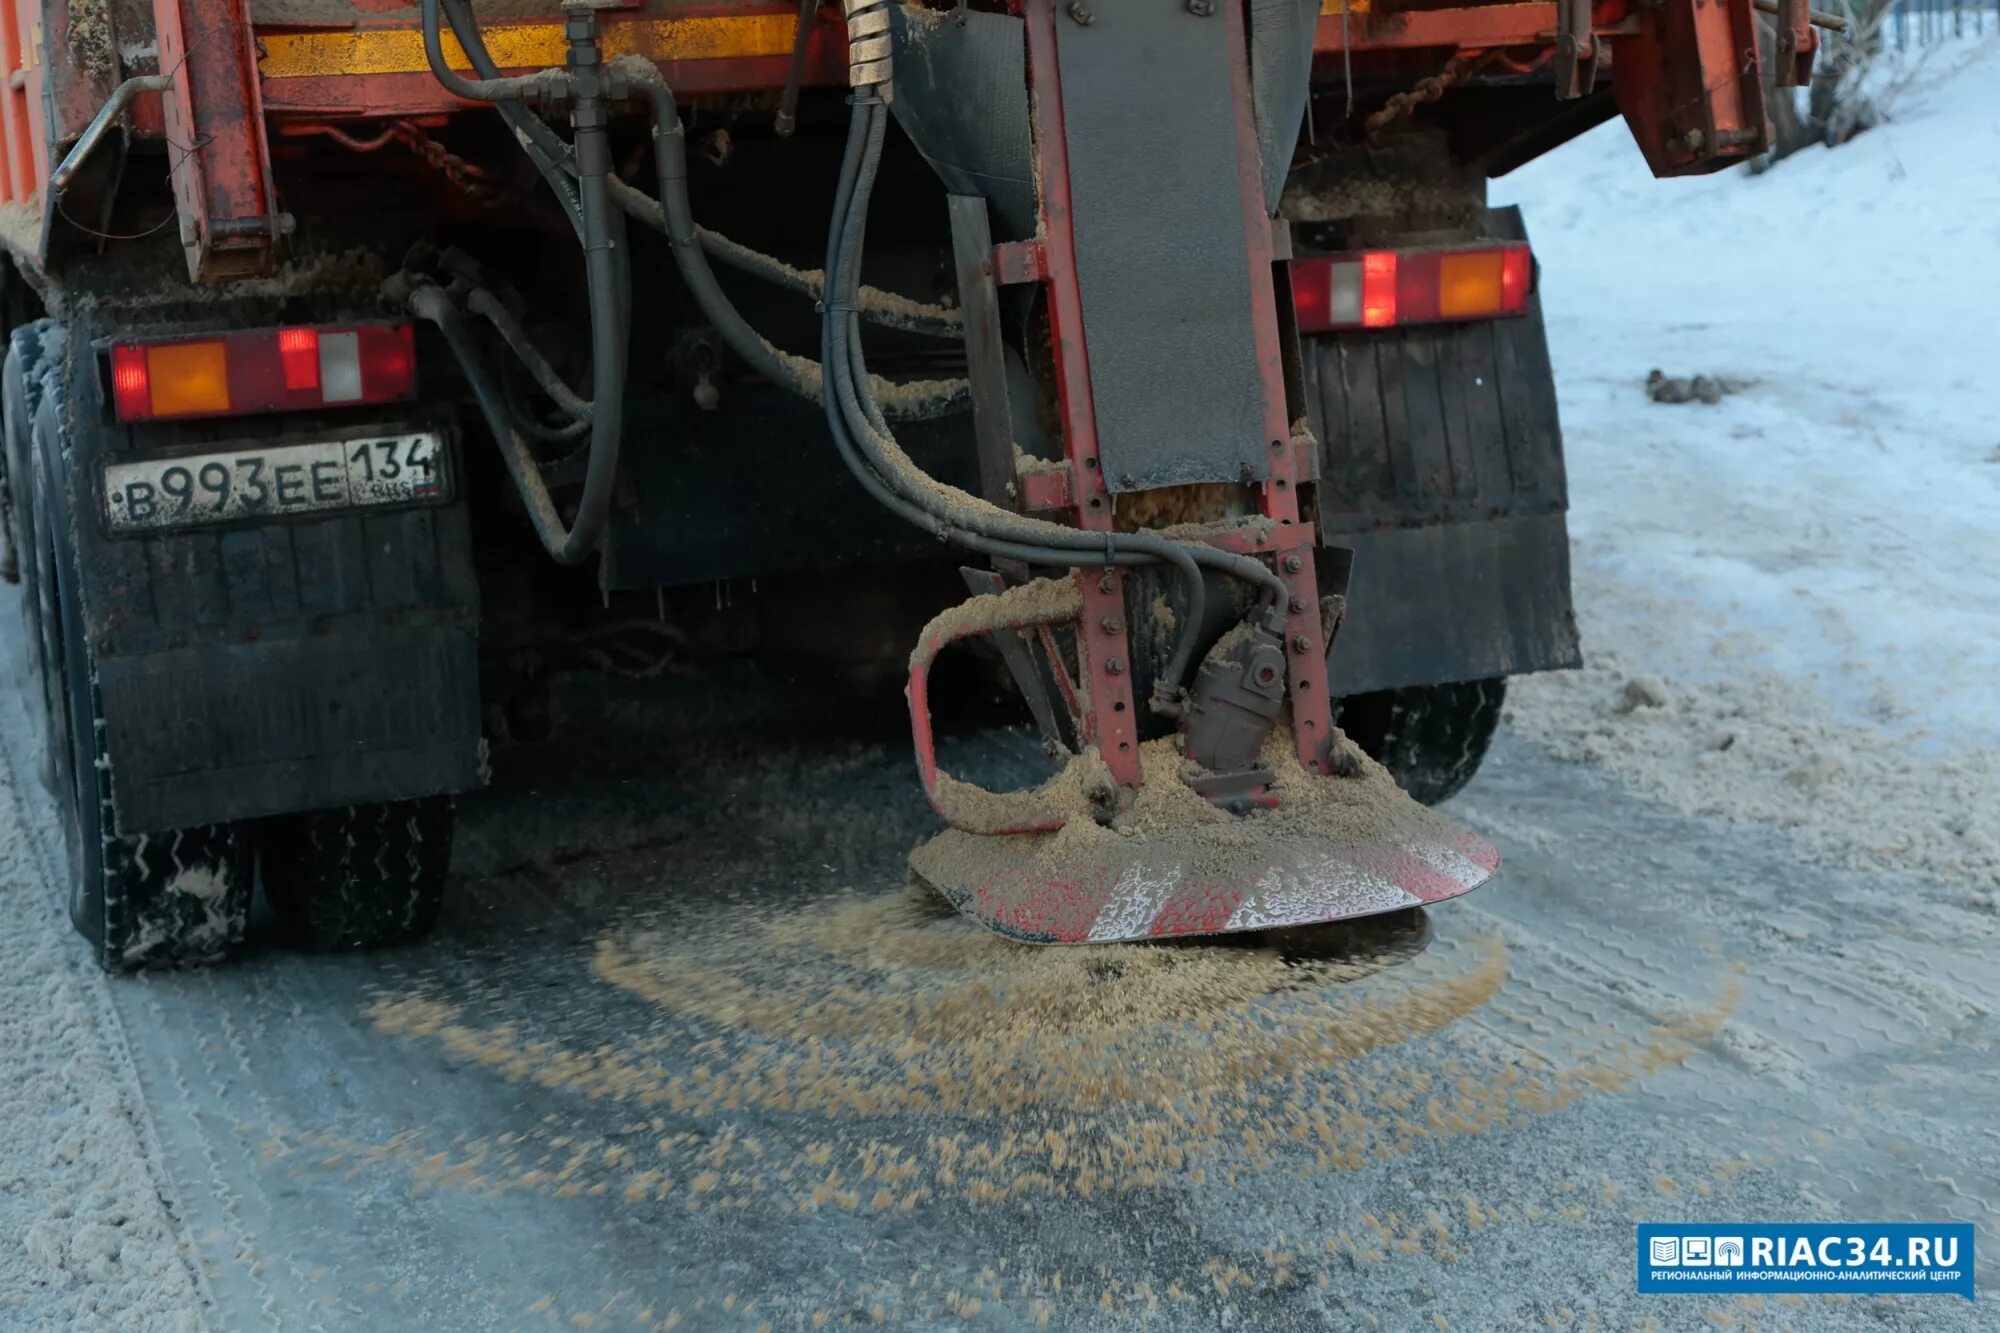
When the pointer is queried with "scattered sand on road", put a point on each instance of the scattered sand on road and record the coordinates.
(86, 1241)
(1746, 744)
(1032, 1072)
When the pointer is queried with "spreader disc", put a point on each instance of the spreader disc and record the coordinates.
(1034, 888)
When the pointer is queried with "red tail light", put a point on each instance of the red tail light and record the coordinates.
(130, 386)
(1383, 289)
(1378, 289)
(263, 370)
(298, 352)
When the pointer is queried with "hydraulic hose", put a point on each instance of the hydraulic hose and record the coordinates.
(552, 157)
(955, 515)
(428, 301)
(483, 302)
(601, 228)
(952, 512)
(566, 434)
(670, 160)
(877, 306)
(543, 145)
(540, 84)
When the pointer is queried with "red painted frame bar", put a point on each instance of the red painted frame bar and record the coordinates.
(1103, 649)
(415, 92)
(1305, 645)
(215, 129)
(300, 87)
(358, 96)
(1472, 27)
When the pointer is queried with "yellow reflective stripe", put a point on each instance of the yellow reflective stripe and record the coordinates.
(294, 55)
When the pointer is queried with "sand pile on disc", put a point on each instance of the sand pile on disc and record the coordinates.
(1169, 817)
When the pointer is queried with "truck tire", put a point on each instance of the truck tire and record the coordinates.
(360, 876)
(1431, 738)
(19, 385)
(169, 898)
(17, 545)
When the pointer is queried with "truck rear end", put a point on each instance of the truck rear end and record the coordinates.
(369, 360)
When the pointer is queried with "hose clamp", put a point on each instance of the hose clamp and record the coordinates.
(870, 57)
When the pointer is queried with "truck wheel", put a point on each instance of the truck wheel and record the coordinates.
(1431, 738)
(169, 898)
(360, 876)
(18, 395)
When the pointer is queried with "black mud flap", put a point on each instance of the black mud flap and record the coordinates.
(1441, 471)
(247, 669)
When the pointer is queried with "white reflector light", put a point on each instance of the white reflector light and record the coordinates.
(340, 367)
(1344, 296)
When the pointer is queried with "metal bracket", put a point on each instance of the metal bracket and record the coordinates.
(1796, 44)
(1018, 654)
(1690, 84)
(985, 351)
(1018, 262)
(1576, 50)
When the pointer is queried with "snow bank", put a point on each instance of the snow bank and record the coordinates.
(1810, 566)
(86, 1241)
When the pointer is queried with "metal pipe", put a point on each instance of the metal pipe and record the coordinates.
(100, 124)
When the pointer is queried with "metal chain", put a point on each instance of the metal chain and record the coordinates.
(473, 180)
(1455, 71)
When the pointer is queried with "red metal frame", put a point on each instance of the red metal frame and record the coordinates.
(1691, 86)
(1305, 646)
(1679, 66)
(215, 131)
(21, 127)
(1104, 650)
(1470, 27)
(1103, 643)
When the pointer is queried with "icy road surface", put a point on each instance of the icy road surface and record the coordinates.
(683, 1055)
(652, 1075)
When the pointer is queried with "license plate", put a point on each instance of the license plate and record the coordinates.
(271, 483)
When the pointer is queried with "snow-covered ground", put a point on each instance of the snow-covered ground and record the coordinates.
(1790, 600)
(87, 1239)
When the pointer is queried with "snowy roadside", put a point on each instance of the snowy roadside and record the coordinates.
(1789, 600)
(86, 1240)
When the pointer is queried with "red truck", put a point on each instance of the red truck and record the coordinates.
(1187, 319)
